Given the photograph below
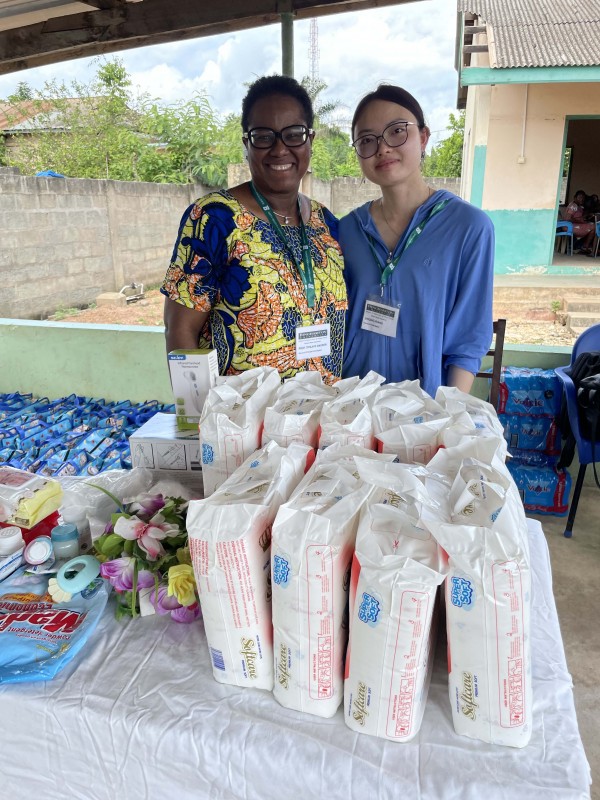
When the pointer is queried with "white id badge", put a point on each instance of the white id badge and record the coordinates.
(380, 318)
(313, 341)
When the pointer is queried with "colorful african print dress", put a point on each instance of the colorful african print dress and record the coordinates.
(230, 262)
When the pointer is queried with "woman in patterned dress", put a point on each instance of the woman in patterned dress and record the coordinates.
(257, 271)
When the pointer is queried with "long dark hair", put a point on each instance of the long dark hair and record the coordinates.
(392, 94)
(277, 84)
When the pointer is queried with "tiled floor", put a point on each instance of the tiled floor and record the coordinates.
(576, 578)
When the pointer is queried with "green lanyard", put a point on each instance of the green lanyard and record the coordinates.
(392, 263)
(306, 268)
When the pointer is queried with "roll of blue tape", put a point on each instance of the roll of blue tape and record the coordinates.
(77, 573)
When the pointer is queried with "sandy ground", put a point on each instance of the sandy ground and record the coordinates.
(529, 311)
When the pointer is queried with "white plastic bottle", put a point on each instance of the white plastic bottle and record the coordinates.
(78, 517)
(12, 545)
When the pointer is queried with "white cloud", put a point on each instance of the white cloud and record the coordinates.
(412, 45)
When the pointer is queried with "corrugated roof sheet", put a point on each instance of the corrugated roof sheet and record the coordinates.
(541, 33)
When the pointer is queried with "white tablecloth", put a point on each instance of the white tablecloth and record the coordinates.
(138, 715)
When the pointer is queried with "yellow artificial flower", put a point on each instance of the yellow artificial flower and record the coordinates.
(182, 584)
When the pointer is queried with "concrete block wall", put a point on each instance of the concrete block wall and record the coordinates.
(66, 240)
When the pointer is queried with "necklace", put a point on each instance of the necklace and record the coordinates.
(385, 219)
(284, 217)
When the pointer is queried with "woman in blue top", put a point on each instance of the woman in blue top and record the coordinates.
(418, 263)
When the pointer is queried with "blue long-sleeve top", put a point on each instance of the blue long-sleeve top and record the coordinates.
(443, 284)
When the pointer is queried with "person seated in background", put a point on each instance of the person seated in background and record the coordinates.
(582, 229)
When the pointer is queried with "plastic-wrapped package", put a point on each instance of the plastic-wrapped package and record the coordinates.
(488, 600)
(470, 416)
(347, 419)
(531, 433)
(230, 539)
(25, 498)
(396, 571)
(407, 422)
(544, 489)
(38, 637)
(100, 496)
(529, 391)
(313, 542)
(232, 421)
(296, 411)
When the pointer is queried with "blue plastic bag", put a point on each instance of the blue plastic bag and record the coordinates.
(38, 637)
(534, 392)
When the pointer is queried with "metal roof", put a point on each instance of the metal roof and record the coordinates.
(539, 33)
(36, 32)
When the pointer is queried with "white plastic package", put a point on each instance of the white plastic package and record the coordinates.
(347, 419)
(470, 417)
(392, 639)
(396, 570)
(99, 496)
(232, 420)
(407, 422)
(230, 539)
(313, 542)
(488, 600)
(296, 411)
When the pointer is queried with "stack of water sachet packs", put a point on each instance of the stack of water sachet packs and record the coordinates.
(528, 408)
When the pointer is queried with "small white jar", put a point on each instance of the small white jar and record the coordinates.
(11, 540)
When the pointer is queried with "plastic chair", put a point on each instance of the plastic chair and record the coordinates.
(565, 228)
(588, 342)
(496, 350)
(597, 238)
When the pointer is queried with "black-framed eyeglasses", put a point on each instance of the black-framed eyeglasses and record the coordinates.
(393, 135)
(291, 136)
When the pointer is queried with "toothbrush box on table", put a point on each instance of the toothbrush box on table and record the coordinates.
(193, 373)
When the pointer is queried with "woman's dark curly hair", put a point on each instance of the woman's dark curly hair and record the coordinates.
(276, 84)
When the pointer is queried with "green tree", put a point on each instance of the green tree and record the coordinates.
(22, 92)
(332, 155)
(445, 160)
(103, 130)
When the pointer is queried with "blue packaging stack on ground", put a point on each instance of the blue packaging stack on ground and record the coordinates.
(71, 435)
(528, 408)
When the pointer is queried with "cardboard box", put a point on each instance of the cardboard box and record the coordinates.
(160, 445)
(193, 373)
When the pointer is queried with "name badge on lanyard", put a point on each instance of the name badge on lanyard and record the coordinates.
(380, 318)
(313, 341)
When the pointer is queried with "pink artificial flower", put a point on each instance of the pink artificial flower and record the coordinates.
(147, 504)
(186, 614)
(163, 604)
(147, 534)
(119, 572)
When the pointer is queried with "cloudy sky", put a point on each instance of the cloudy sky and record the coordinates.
(412, 45)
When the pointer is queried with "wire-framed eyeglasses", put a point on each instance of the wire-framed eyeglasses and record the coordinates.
(264, 138)
(393, 135)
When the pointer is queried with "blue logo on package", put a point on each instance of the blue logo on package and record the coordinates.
(254, 464)
(461, 592)
(208, 454)
(281, 571)
(369, 609)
